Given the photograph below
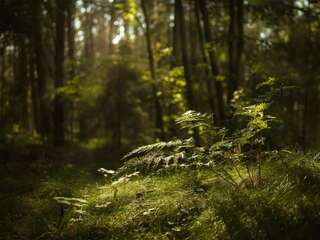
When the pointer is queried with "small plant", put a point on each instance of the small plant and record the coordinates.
(111, 174)
(251, 139)
(71, 210)
(244, 144)
(106, 173)
(122, 180)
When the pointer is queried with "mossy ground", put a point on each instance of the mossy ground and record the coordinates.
(186, 204)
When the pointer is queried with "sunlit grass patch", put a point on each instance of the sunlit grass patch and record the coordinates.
(158, 204)
(191, 203)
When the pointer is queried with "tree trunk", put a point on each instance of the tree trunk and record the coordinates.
(186, 62)
(58, 112)
(117, 133)
(204, 57)
(71, 36)
(22, 85)
(34, 91)
(219, 104)
(42, 74)
(89, 58)
(184, 52)
(89, 39)
(174, 43)
(235, 45)
(158, 108)
(72, 60)
(2, 85)
(305, 115)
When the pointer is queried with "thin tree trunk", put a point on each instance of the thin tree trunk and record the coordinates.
(42, 74)
(235, 45)
(219, 105)
(118, 129)
(72, 59)
(240, 45)
(89, 56)
(232, 78)
(204, 57)
(89, 38)
(176, 48)
(58, 112)
(186, 61)
(305, 119)
(159, 118)
(2, 85)
(193, 41)
(306, 133)
(174, 62)
(23, 84)
(184, 52)
(71, 36)
(34, 92)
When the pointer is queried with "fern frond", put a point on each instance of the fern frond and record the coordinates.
(255, 110)
(158, 147)
(192, 119)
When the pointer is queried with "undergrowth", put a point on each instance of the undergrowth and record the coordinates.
(227, 183)
(180, 204)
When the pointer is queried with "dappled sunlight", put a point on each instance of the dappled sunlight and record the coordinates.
(163, 120)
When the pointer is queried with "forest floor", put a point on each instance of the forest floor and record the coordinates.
(185, 204)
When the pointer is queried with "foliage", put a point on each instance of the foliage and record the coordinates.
(218, 145)
(191, 119)
(105, 77)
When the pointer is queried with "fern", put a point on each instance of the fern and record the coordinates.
(158, 148)
(218, 145)
(192, 119)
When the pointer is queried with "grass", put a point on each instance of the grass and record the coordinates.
(188, 204)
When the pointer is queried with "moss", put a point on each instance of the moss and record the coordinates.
(187, 204)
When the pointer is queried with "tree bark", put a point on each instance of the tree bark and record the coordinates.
(58, 112)
(71, 36)
(235, 45)
(89, 58)
(158, 108)
(72, 60)
(34, 91)
(89, 39)
(2, 85)
(219, 103)
(23, 84)
(42, 74)
(204, 56)
(184, 52)
(181, 26)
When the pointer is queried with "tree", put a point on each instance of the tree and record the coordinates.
(186, 61)
(184, 53)
(71, 36)
(220, 110)
(211, 99)
(235, 45)
(22, 84)
(41, 69)
(2, 87)
(157, 104)
(58, 110)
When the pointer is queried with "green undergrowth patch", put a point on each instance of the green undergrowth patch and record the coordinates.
(188, 203)
(199, 204)
(28, 209)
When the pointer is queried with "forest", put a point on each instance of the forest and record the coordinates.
(159, 119)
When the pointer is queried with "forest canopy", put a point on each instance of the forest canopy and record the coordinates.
(105, 72)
